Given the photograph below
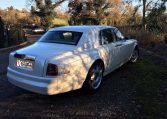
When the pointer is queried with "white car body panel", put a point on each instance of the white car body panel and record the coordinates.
(78, 59)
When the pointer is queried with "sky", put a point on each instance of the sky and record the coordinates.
(19, 4)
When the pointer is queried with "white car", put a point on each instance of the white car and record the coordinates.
(70, 58)
(38, 30)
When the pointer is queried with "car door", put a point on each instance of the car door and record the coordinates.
(108, 40)
(124, 46)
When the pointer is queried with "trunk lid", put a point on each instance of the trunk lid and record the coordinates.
(36, 55)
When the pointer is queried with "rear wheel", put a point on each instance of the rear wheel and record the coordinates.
(135, 55)
(94, 77)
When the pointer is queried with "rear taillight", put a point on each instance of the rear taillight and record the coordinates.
(52, 70)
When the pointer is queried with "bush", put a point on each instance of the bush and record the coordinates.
(144, 37)
(165, 38)
(14, 36)
(1, 33)
(59, 22)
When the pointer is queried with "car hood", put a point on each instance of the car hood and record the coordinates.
(45, 50)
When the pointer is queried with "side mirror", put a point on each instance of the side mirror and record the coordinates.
(126, 38)
(129, 37)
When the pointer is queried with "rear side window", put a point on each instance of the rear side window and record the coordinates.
(61, 37)
(107, 36)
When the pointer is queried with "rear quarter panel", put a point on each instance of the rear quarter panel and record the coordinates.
(78, 62)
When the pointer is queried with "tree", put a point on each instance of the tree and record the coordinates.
(157, 18)
(11, 15)
(45, 10)
(144, 14)
(134, 19)
(101, 8)
(148, 6)
(89, 11)
(144, 2)
(1, 33)
(34, 20)
(75, 11)
(1, 12)
(121, 12)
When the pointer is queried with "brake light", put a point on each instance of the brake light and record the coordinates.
(52, 70)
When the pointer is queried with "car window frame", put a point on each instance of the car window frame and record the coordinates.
(101, 39)
(119, 38)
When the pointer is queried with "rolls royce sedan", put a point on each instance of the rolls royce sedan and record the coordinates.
(69, 58)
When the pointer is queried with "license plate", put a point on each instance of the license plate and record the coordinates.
(24, 63)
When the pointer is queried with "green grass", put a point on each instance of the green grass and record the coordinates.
(150, 83)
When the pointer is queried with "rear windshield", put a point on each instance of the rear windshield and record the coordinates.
(61, 37)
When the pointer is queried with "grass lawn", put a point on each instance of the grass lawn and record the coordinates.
(150, 82)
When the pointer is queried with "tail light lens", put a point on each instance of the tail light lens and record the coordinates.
(52, 70)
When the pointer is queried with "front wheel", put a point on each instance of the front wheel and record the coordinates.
(94, 77)
(135, 55)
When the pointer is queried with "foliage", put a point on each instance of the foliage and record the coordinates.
(94, 11)
(13, 36)
(59, 22)
(1, 33)
(100, 7)
(16, 35)
(10, 26)
(135, 17)
(165, 38)
(150, 8)
(75, 11)
(97, 12)
(144, 37)
(45, 10)
(12, 16)
(145, 8)
(34, 19)
(157, 18)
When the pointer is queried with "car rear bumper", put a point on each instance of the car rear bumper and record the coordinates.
(44, 85)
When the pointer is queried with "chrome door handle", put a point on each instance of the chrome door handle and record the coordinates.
(118, 45)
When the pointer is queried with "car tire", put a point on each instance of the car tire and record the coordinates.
(135, 55)
(94, 77)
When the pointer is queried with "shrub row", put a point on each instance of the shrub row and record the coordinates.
(14, 36)
(144, 37)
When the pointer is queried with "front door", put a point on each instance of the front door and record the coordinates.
(108, 40)
(123, 46)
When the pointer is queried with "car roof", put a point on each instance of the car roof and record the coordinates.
(80, 28)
